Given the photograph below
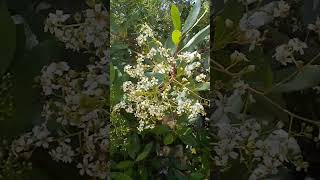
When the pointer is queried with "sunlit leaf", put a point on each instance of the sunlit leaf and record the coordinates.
(175, 16)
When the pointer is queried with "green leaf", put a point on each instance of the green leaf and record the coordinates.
(124, 164)
(7, 36)
(145, 152)
(176, 37)
(175, 16)
(262, 76)
(232, 13)
(196, 176)
(197, 38)
(307, 78)
(170, 45)
(159, 76)
(192, 17)
(25, 95)
(134, 145)
(120, 176)
(161, 129)
(168, 139)
(186, 136)
(144, 173)
(222, 35)
(203, 86)
(112, 73)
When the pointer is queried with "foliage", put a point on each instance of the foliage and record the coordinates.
(135, 92)
(156, 130)
(264, 60)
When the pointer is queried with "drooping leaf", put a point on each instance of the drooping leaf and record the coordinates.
(197, 38)
(134, 145)
(7, 36)
(192, 17)
(124, 164)
(26, 95)
(112, 73)
(145, 152)
(186, 136)
(307, 78)
(175, 16)
(262, 76)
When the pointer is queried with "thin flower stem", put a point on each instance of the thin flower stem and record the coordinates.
(263, 94)
(191, 90)
(293, 74)
(283, 109)
(290, 126)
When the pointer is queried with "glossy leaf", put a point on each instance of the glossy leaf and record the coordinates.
(307, 78)
(200, 36)
(175, 16)
(124, 164)
(112, 73)
(192, 17)
(186, 136)
(134, 145)
(168, 139)
(176, 37)
(145, 152)
(120, 176)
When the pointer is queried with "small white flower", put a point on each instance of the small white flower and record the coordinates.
(238, 56)
(282, 9)
(200, 77)
(297, 45)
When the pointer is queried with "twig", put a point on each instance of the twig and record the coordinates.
(283, 109)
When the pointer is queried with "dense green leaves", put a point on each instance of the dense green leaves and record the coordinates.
(148, 151)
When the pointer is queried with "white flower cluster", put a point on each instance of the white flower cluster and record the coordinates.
(237, 56)
(285, 52)
(89, 32)
(145, 33)
(263, 149)
(160, 84)
(74, 100)
(245, 141)
(274, 151)
(252, 21)
(315, 27)
(282, 9)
